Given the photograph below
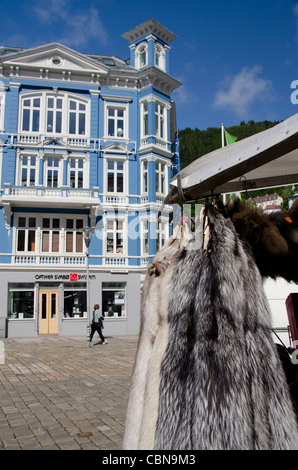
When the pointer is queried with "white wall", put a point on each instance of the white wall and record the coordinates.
(277, 293)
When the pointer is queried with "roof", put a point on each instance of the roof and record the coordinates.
(266, 159)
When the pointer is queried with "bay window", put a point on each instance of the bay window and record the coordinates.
(49, 234)
(51, 113)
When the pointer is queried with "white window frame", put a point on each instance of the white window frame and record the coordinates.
(161, 174)
(144, 118)
(144, 175)
(159, 56)
(160, 120)
(115, 159)
(115, 230)
(47, 168)
(2, 110)
(44, 108)
(27, 228)
(51, 229)
(162, 233)
(29, 166)
(31, 97)
(116, 107)
(141, 52)
(38, 229)
(76, 169)
(144, 237)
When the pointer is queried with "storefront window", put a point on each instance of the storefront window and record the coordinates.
(21, 301)
(113, 299)
(75, 301)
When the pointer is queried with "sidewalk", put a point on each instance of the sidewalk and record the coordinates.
(55, 393)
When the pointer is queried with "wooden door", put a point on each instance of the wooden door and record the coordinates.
(48, 312)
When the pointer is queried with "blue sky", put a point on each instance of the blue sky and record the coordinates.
(236, 60)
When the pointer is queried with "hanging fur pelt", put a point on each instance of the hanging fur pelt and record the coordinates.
(142, 409)
(221, 382)
(273, 237)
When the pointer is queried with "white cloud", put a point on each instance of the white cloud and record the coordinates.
(242, 90)
(78, 26)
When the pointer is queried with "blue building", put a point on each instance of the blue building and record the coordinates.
(85, 142)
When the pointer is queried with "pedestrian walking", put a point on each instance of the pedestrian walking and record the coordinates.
(97, 324)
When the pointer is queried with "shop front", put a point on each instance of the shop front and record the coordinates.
(56, 303)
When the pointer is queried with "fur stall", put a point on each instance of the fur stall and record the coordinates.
(142, 409)
(273, 237)
(207, 374)
(222, 384)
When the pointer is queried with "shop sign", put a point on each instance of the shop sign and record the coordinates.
(64, 277)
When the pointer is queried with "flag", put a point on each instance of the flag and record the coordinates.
(177, 154)
(230, 139)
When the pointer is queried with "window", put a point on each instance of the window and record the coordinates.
(114, 236)
(144, 177)
(28, 170)
(52, 172)
(20, 301)
(159, 56)
(31, 114)
(2, 101)
(114, 299)
(160, 119)
(144, 113)
(26, 234)
(161, 235)
(115, 176)
(141, 56)
(160, 177)
(116, 117)
(54, 114)
(76, 172)
(50, 235)
(74, 238)
(145, 237)
(77, 117)
(75, 300)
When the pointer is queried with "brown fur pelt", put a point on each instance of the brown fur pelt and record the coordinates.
(272, 237)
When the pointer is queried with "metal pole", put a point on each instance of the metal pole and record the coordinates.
(88, 299)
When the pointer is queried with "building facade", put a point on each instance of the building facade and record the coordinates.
(85, 148)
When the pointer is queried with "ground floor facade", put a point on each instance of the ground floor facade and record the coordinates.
(36, 302)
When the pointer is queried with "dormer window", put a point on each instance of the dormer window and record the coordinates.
(141, 55)
(159, 56)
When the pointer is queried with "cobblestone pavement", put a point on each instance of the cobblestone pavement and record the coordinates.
(55, 393)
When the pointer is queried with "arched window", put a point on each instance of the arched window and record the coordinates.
(141, 55)
(159, 56)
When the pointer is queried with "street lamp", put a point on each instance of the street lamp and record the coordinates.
(87, 234)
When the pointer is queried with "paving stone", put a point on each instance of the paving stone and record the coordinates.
(53, 388)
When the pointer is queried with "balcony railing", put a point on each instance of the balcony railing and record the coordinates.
(70, 261)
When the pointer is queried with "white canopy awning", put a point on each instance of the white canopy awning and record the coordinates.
(267, 159)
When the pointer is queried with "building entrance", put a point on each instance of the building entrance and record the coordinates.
(48, 312)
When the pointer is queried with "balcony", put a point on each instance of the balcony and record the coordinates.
(42, 195)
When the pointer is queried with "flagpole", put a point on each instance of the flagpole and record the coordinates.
(222, 135)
